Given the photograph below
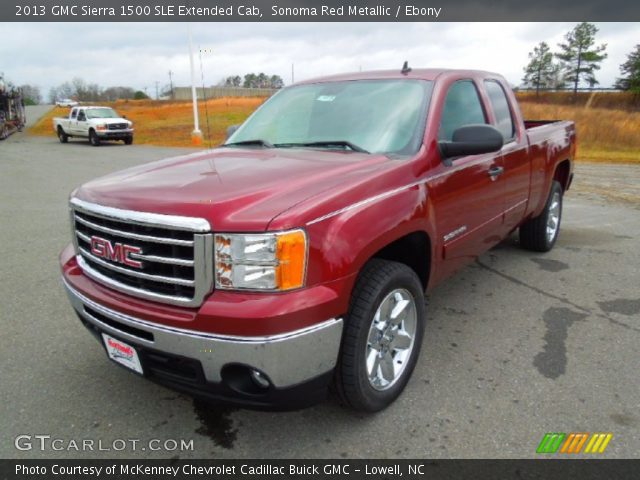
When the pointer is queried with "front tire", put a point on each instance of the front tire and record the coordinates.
(128, 140)
(63, 137)
(93, 138)
(382, 337)
(540, 233)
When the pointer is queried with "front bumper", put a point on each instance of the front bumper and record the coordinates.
(297, 364)
(115, 133)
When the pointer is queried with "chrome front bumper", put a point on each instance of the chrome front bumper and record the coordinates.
(114, 133)
(287, 359)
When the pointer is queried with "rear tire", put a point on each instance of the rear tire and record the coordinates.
(540, 233)
(63, 137)
(93, 138)
(382, 336)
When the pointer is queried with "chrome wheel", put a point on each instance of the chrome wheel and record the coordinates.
(391, 339)
(553, 217)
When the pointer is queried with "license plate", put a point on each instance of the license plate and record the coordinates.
(122, 353)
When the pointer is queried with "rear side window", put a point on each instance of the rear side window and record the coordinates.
(74, 112)
(462, 107)
(500, 105)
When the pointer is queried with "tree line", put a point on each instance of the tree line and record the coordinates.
(576, 62)
(82, 91)
(252, 80)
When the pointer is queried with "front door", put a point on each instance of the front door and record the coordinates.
(468, 194)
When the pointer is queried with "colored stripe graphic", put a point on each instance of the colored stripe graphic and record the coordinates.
(598, 443)
(550, 442)
(574, 443)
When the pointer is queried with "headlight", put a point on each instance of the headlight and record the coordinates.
(130, 124)
(268, 261)
(101, 127)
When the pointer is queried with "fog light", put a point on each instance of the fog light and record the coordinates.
(259, 379)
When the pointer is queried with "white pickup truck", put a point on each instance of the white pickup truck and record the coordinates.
(94, 123)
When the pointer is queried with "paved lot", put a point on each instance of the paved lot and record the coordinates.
(516, 345)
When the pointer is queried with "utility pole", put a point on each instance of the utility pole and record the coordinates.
(196, 135)
(292, 76)
(157, 96)
(171, 84)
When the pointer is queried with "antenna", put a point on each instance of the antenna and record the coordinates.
(204, 98)
(405, 68)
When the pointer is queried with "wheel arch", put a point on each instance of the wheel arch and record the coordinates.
(563, 175)
(413, 250)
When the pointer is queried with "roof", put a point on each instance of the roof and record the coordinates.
(416, 73)
(94, 106)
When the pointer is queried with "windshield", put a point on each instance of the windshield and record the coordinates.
(102, 113)
(377, 116)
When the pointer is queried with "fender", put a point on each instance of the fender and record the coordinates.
(344, 240)
(560, 147)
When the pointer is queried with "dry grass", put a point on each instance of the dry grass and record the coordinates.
(604, 133)
(627, 101)
(170, 123)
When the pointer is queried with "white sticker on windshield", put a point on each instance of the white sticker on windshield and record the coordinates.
(326, 98)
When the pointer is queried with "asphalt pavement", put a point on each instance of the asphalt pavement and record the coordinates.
(516, 345)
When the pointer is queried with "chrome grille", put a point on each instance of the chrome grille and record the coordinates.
(169, 258)
(117, 126)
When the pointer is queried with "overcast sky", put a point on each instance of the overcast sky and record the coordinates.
(138, 55)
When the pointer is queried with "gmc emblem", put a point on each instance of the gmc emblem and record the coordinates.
(119, 252)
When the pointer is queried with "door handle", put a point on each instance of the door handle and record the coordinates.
(495, 171)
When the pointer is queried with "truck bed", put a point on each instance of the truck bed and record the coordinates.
(529, 124)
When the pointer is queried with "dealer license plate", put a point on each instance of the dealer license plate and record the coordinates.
(122, 353)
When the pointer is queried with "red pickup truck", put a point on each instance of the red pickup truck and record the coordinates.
(296, 256)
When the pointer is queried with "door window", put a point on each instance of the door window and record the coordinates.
(462, 106)
(74, 113)
(500, 105)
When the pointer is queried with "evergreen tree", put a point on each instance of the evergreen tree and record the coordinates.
(579, 57)
(539, 73)
(631, 71)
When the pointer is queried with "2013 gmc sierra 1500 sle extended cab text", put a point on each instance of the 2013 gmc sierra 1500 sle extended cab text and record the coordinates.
(297, 255)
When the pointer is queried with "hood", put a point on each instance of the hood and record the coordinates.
(112, 120)
(234, 189)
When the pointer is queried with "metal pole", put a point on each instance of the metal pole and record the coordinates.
(196, 135)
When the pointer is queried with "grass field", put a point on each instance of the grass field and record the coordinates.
(605, 134)
(170, 123)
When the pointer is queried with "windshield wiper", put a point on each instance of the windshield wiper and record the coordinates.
(326, 143)
(261, 143)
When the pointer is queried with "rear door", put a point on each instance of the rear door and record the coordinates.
(515, 155)
(469, 200)
(81, 122)
(70, 122)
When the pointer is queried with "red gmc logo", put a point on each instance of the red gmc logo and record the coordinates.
(118, 252)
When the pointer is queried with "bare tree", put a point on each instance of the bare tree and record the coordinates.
(31, 94)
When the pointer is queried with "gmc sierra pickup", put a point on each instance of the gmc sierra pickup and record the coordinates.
(94, 123)
(297, 255)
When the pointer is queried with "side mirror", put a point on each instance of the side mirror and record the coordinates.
(124, 116)
(471, 140)
(231, 130)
